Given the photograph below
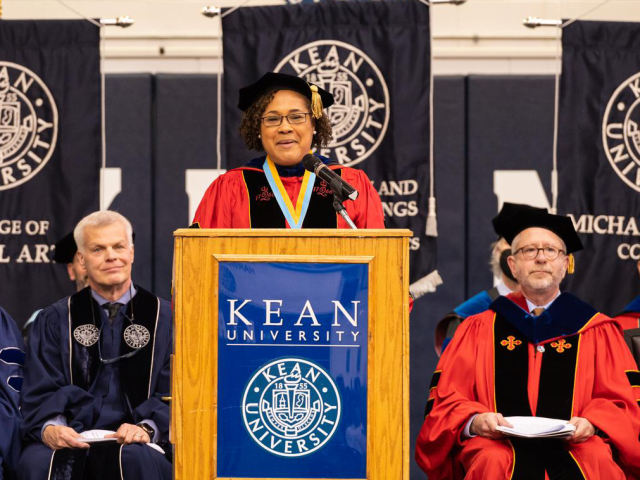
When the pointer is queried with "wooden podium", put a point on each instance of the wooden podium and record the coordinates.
(196, 380)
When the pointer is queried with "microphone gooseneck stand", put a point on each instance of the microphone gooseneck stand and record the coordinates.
(337, 204)
(341, 189)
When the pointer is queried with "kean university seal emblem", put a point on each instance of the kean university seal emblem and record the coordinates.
(28, 125)
(291, 407)
(136, 336)
(621, 131)
(86, 335)
(360, 114)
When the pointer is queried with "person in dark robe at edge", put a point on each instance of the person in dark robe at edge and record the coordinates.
(500, 251)
(538, 353)
(283, 116)
(64, 253)
(99, 360)
(629, 318)
(12, 354)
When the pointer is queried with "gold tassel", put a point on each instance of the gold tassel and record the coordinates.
(572, 264)
(316, 102)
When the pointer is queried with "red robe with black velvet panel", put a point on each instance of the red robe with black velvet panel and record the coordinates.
(467, 382)
(226, 202)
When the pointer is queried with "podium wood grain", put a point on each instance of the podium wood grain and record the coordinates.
(194, 374)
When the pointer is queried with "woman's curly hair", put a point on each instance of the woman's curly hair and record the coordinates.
(250, 125)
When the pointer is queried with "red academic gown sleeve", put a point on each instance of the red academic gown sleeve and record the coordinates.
(225, 203)
(606, 397)
(455, 398)
(628, 320)
(366, 211)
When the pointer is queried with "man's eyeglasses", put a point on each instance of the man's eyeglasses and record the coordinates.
(276, 120)
(530, 252)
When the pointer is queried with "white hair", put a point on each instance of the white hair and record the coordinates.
(494, 259)
(102, 218)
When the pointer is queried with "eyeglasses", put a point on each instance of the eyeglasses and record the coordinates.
(292, 118)
(530, 252)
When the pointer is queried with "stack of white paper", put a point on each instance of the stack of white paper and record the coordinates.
(537, 427)
(96, 436)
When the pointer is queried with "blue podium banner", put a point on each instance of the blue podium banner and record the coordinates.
(292, 370)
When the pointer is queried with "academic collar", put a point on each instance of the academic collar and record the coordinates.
(567, 315)
(124, 299)
(286, 172)
(531, 305)
(633, 307)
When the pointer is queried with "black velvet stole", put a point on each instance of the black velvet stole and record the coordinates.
(135, 372)
(555, 399)
(100, 462)
(85, 361)
(264, 211)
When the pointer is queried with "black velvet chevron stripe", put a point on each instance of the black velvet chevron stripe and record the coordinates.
(634, 377)
(15, 382)
(435, 379)
(428, 407)
(434, 384)
(12, 356)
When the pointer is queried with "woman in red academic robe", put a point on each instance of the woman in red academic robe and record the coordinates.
(283, 116)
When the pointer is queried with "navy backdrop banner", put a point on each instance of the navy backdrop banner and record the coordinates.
(49, 152)
(361, 52)
(599, 157)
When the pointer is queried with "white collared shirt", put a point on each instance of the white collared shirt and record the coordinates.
(531, 305)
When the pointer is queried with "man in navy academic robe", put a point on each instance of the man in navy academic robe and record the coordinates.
(99, 360)
(11, 363)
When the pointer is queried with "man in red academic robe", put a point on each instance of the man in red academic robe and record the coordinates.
(563, 360)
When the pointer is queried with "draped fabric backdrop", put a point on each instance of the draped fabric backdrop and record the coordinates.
(375, 59)
(49, 152)
(599, 157)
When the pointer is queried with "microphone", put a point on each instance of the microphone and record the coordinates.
(338, 185)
